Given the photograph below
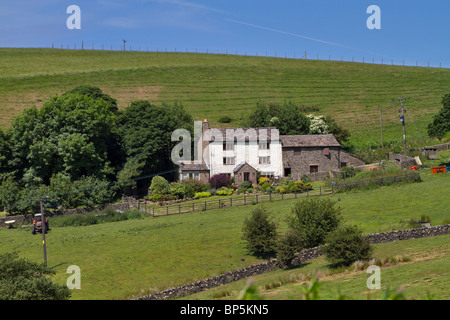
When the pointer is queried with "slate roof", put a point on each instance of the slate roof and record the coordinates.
(310, 140)
(193, 167)
(240, 165)
(249, 134)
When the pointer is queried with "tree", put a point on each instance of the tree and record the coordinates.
(314, 218)
(441, 121)
(260, 232)
(68, 134)
(346, 245)
(288, 245)
(287, 118)
(95, 93)
(146, 129)
(21, 279)
(9, 194)
(5, 153)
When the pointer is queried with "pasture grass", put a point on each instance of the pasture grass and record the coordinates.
(126, 259)
(216, 85)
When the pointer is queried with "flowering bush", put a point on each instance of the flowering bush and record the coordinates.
(317, 125)
(263, 180)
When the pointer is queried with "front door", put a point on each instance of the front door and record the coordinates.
(246, 176)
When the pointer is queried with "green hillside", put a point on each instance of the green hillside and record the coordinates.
(213, 85)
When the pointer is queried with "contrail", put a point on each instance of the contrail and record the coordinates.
(301, 36)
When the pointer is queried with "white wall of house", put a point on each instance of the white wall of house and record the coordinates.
(250, 152)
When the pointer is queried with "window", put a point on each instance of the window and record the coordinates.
(297, 151)
(228, 160)
(267, 174)
(287, 172)
(313, 168)
(228, 145)
(197, 176)
(246, 176)
(264, 145)
(264, 160)
(343, 164)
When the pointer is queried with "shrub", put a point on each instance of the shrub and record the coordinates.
(266, 186)
(204, 194)
(348, 172)
(246, 185)
(159, 185)
(220, 180)
(182, 189)
(25, 280)
(263, 180)
(260, 233)
(287, 246)
(346, 245)
(280, 189)
(314, 218)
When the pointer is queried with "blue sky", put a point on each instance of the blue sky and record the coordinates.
(411, 31)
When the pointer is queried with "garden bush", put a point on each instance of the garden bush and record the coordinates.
(220, 180)
(204, 194)
(159, 185)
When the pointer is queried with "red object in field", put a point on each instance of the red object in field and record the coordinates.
(439, 169)
(413, 168)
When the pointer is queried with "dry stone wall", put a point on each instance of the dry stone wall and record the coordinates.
(302, 257)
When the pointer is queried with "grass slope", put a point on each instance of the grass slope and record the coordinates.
(211, 86)
(425, 275)
(132, 258)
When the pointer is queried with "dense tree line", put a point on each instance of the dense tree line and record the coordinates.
(81, 141)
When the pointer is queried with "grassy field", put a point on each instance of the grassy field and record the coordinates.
(212, 85)
(132, 258)
(424, 274)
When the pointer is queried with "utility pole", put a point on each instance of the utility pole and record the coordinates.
(381, 126)
(402, 119)
(44, 230)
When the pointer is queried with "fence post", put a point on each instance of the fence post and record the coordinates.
(320, 189)
(153, 212)
(179, 208)
(167, 210)
(193, 206)
(245, 201)
(282, 197)
(256, 198)
(231, 202)
(219, 204)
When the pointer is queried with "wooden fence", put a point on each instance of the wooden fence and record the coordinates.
(249, 199)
